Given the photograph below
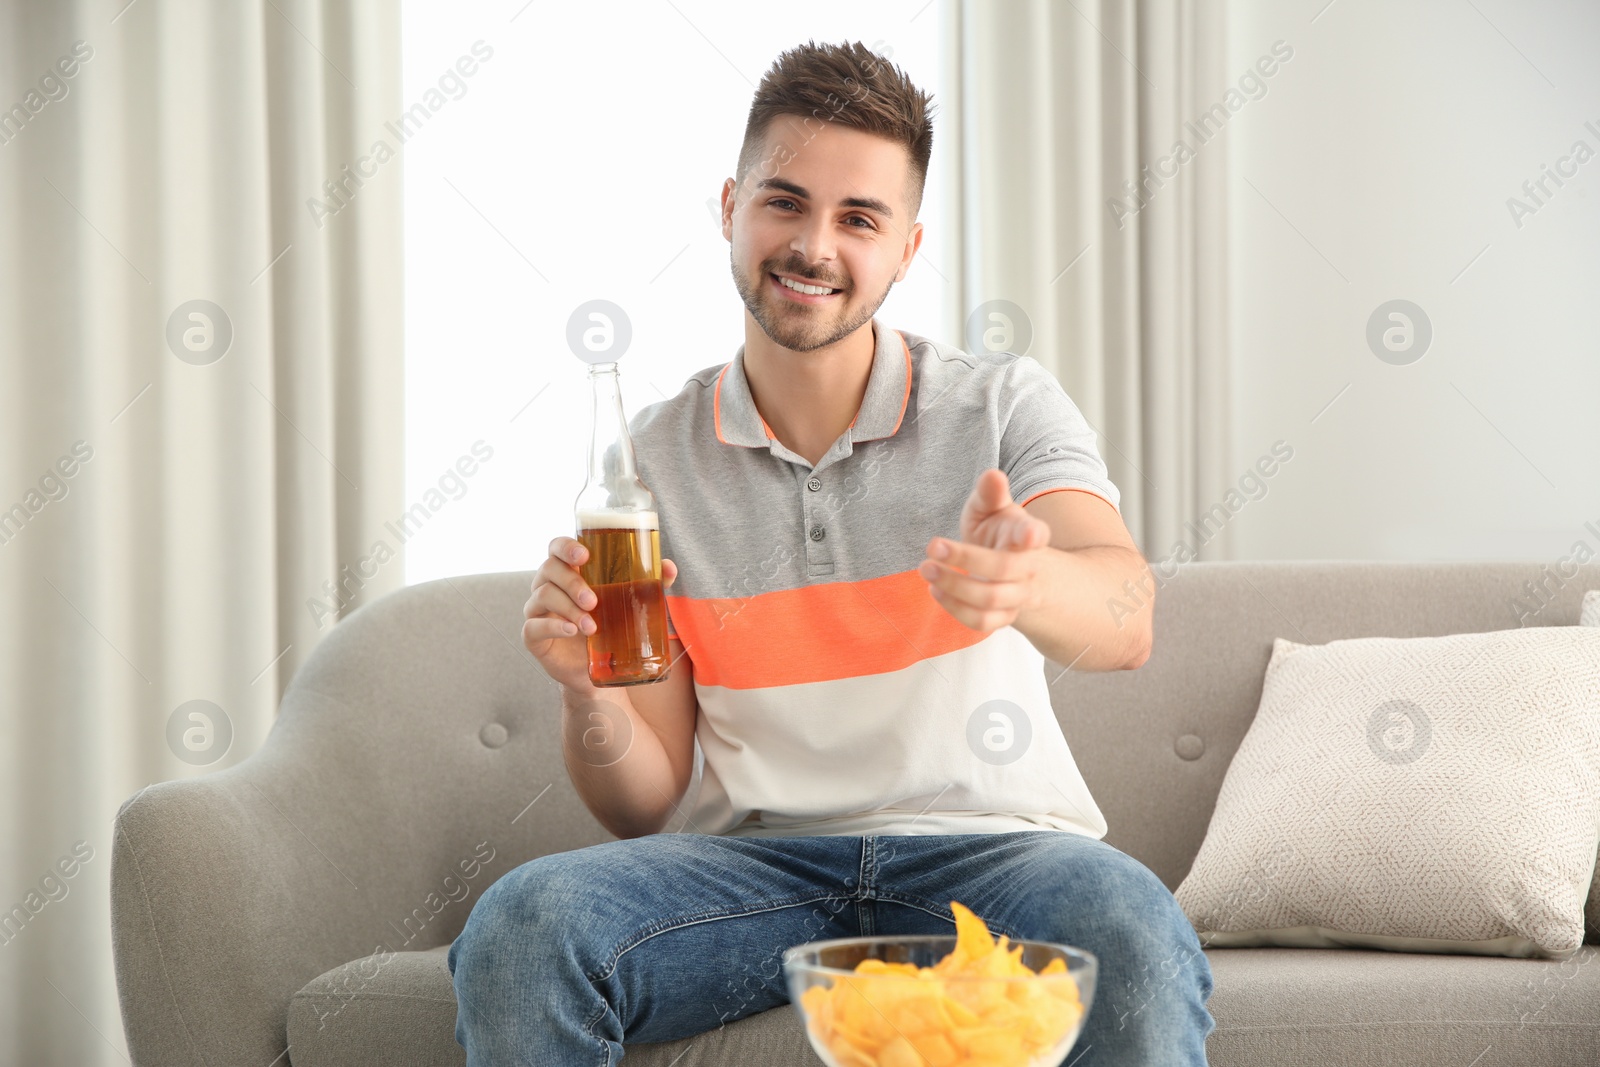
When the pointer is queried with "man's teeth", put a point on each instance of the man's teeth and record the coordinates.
(814, 290)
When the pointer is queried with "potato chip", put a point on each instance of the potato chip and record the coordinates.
(902, 1015)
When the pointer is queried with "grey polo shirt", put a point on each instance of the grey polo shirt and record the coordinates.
(835, 694)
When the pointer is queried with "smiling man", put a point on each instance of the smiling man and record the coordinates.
(872, 542)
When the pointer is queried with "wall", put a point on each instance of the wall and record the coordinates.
(1377, 166)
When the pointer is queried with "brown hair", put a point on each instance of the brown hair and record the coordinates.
(852, 86)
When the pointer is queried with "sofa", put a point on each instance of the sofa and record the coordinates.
(296, 907)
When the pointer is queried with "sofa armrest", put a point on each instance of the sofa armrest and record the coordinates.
(416, 757)
(220, 912)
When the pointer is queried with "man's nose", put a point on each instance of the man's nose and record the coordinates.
(816, 242)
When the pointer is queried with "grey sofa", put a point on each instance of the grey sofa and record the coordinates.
(296, 908)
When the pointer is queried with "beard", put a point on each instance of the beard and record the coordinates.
(798, 327)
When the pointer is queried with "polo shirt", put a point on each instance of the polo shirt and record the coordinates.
(836, 696)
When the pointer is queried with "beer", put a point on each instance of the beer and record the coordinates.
(617, 522)
(623, 567)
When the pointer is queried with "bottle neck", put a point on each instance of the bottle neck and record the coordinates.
(611, 460)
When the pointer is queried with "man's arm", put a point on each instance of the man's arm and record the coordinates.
(1090, 561)
(1049, 570)
(630, 751)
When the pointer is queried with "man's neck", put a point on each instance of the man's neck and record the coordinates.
(808, 398)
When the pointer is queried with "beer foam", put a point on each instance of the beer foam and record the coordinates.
(618, 520)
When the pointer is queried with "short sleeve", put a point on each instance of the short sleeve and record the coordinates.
(1045, 442)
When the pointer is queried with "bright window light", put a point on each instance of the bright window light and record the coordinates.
(560, 153)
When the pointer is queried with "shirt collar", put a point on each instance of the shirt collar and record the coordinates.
(735, 420)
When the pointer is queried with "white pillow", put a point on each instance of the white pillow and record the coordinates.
(1590, 616)
(1425, 794)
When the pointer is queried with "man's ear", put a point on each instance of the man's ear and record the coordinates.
(729, 202)
(912, 245)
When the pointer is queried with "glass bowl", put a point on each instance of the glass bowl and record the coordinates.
(888, 1019)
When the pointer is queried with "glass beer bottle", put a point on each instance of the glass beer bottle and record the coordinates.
(617, 522)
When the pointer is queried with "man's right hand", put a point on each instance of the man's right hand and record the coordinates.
(557, 622)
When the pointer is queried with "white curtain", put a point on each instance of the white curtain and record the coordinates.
(200, 424)
(1052, 107)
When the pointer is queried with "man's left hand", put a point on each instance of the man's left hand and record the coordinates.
(990, 576)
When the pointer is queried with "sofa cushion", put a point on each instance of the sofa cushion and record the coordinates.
(393, 1008)
(399, 1010)
(1317, 1007)
(1335, 1007)
(1428, 794)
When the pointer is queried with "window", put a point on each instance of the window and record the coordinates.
(581, 158)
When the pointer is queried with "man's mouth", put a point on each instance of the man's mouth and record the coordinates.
(803, 292)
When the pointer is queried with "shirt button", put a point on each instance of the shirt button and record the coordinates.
(814, 484)
(818, 533)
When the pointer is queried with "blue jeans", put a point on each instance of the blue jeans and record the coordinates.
(662, 937)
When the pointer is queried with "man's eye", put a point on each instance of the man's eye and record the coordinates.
(780, 203)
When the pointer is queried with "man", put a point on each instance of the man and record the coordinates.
(879, 539)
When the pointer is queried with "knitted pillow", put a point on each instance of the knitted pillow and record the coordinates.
(1590, 616)
(1426, 794)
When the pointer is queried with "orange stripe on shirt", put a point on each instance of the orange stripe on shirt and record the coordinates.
(816, 633)
(1070, 489)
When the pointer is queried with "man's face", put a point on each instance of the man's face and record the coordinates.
(824, 205)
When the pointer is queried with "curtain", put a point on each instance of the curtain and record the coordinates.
(200, 425)
(1087, 237)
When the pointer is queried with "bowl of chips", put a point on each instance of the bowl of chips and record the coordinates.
(937, 1001)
